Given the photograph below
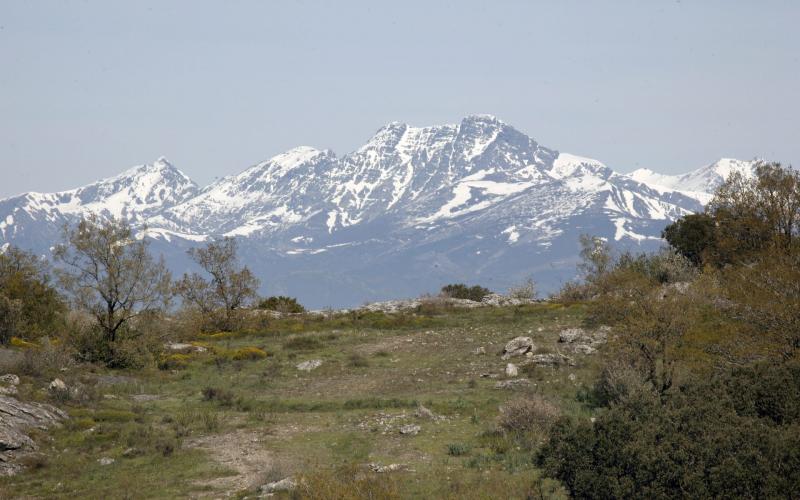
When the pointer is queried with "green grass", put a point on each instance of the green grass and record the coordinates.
(376, 370)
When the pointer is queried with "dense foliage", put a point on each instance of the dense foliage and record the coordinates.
(281, 303)
(702, 398)
(737, 435)
(462, 291)
(30, 307)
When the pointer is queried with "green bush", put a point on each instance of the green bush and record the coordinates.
(734, 436)
(281, 303)
(462, 291)
(457, 449)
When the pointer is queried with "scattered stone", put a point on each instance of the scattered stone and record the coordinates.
(285, 484)
(16, 417)
(551, 359)
(497, 299)
(106, 461)
(131, 452)
(480, 350)
(571, 335)
(410, 429)
(307, 366)
(385, 468)
(143, 398)
(510, 384)
(584, 342)
(572, 377)
(518, 346)
(488, 375)
(183, 348)
(9, 379)
(511, 370)
(583, 349)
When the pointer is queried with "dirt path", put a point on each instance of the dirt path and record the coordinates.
(241, 451)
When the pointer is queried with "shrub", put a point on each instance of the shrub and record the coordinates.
(248, 353)
(731, 436)
(533, 414)
(282, 304)
(462, 291)
(523, 291)
(457, 449)
(223, 396)
(357, 361)
(174, 362)
(22, 344)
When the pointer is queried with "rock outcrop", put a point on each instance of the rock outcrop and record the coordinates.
(16, 419)
(518, 346)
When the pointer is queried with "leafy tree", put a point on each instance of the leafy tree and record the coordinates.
(753, 215)
(231, 287)
(462, 291)
(30, 306)
(282, 304)
(596, 259)
(110, 274)
(692, 236)
(766, 295)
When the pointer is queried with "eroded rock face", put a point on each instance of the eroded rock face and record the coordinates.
(518, 346)
(16, 418)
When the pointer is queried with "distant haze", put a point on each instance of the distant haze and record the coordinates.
(90, 88)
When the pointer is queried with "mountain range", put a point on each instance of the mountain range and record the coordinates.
(412, 209)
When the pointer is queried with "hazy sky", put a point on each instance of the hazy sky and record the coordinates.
(90, 88)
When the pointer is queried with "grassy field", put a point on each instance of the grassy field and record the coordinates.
(210, 425)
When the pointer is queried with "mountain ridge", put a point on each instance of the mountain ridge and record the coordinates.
(457, 202)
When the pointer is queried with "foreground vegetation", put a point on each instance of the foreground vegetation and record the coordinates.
(695, 394)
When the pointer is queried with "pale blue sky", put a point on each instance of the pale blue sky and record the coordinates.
(90, 88)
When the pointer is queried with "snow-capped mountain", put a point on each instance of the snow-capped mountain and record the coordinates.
(701, 182)
(414, 208)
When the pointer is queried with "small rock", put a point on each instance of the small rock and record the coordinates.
(571, 335)
(511, 370)
(480, 350)
(183, 348)
(554, 359)
(57, 385)
(385, 468)
(106, 461)
(572, 377)
(410, 429)
(518, 346)
(285, 484)
(307, 366)
(130, 452)
(9, 379)
(510, 384)
(583, 349)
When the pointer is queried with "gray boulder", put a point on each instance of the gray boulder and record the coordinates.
(16, 419)
(518, 346)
